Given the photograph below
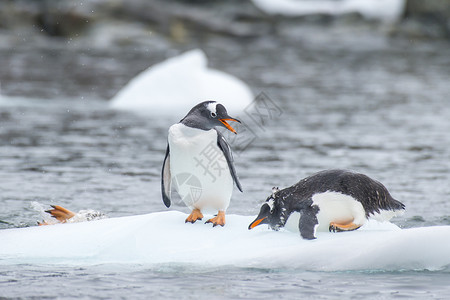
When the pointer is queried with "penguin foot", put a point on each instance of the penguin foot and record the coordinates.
(217, 220)
(195, 215)
(336, 227)
(59, 213)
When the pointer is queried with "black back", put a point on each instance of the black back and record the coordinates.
(372, 194)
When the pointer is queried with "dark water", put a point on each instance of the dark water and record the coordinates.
(189, 282)
(380, 107)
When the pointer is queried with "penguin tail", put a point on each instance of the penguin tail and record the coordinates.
(398, 205)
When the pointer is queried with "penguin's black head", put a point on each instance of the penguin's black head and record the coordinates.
(207, 115)
(270, 212)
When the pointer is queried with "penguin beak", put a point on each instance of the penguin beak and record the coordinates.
(257, 222)
(224, 122)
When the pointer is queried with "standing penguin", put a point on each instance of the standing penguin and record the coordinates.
(334, 200)
(199, 163)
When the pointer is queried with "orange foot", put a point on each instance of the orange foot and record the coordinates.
(60, 213)
(349, 226)
(195, 215)
(218, 220)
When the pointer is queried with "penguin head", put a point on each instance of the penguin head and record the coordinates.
(270, 212)
(207, 115)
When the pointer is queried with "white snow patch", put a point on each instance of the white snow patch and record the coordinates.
(163, 237)
(385, 10)
(178, 84)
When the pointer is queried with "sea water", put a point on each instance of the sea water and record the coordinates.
(382, 112)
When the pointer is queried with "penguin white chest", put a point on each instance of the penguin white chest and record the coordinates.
(333, 207)
(199, 169)
(338, 207)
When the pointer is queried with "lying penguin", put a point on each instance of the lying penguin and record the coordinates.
(199, 163)
(334, 200)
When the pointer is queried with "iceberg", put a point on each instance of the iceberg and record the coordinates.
(163, 238)
(178, 84)
(384, 10)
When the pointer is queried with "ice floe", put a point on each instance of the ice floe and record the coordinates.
(164, 238)
(179, 83)
(385, 10)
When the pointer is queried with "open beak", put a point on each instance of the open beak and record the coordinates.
(224, 122)
(256, 223)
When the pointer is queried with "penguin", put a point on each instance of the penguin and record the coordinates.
(333, 200)
(199, 162)
(63, 215)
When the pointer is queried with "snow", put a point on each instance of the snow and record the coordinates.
(164, 238)
(178, 84)
(385, 10)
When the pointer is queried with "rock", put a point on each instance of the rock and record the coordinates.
(67, 18)
(425, 19)
(183, 21)
(180, 21)
(429, 8)
(17, 14)
(54, 18)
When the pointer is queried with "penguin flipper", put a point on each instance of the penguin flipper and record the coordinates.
(166, 179)
(223, 145)
(308, 222)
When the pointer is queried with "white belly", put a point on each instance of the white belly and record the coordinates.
(334, 207)
(337, 207)
(199, 170)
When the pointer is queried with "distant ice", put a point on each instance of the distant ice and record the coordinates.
(179, 83)
(164, 238)
(385, 10)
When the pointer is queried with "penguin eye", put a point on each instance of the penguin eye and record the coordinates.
(213, 114)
